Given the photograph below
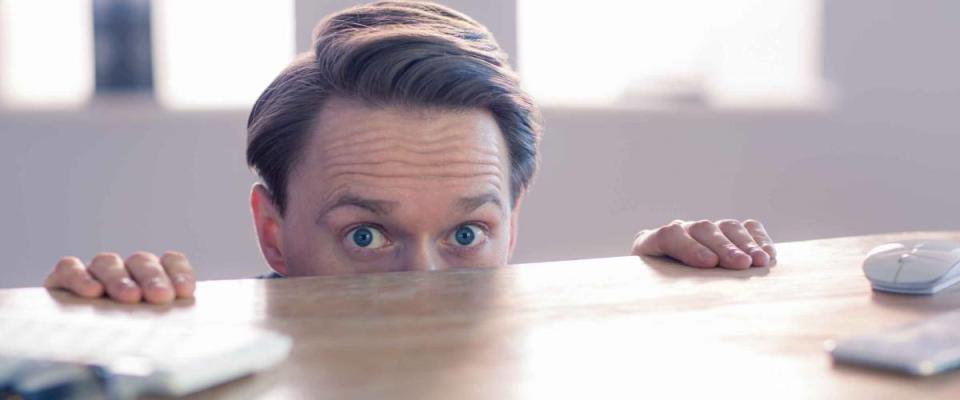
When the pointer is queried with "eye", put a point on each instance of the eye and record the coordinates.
(366, 237)
(467, 235)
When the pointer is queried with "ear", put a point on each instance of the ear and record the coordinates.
(514, 217)
(268, 221)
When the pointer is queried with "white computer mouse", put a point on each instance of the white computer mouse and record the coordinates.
(913, 267)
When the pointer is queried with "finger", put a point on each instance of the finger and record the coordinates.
(709, 235)
(736, 233)
(146, 270)
(645, 242)
(760, 235)
(644, 246)
(70, 274)
(672, 240)
(108, 268)
(180, 272)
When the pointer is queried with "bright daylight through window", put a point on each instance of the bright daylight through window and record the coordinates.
(732, 53)
(206, 54)
(46, 58)
(219, 53)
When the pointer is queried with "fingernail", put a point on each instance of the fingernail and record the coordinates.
(178, 279)
(736, 253)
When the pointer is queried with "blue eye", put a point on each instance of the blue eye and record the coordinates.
(467, 235)
(362, 237)
(366, 237)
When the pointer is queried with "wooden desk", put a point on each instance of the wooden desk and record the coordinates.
(602, 328)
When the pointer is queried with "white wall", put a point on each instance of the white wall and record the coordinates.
(125, 176)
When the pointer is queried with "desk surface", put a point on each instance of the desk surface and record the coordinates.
(600, 328)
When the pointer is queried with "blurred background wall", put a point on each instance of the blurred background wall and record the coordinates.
(878, 154)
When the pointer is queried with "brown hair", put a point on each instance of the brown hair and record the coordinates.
(392, 53)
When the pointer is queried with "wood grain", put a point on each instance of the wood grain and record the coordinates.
(602, 328)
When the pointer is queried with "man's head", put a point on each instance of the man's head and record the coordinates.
(403, 141)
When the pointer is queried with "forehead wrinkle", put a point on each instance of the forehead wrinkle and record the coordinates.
(404, 163)
(389, 146)
(359, 190)
(415, 167)
(392, 176)
(348, 168)
(460, 152)
(452, 144)
(413, 163)
(362, 189)
(404, 127)
(365, 135)
(392, 166)
(396, 148)
(444, 160)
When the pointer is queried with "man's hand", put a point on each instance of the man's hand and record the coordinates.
(142, 276)
(727, 243)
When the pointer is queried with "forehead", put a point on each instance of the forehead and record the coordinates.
(395, 151)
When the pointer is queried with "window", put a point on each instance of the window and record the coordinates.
(46, 58)
(205, 54)
(739, 53)
(219, 53)
(122, 46)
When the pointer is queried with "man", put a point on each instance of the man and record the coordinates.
(401, 142)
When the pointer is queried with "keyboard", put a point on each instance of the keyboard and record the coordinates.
(925, 347)
(131, 357)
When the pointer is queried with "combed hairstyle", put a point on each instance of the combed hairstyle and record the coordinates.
(388, 53)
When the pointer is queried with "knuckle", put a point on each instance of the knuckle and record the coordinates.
(69, 260)
(62, 270)
(754, 226)
(105, 258)
(702, 227)
(170, 256)
(141, 257)
(66, 265)
(640, 234)
(106, 254)
(728, 224)
(670, 229)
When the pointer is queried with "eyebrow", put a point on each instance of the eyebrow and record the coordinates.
(379, 207)
(471, 203)
(384, 207)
